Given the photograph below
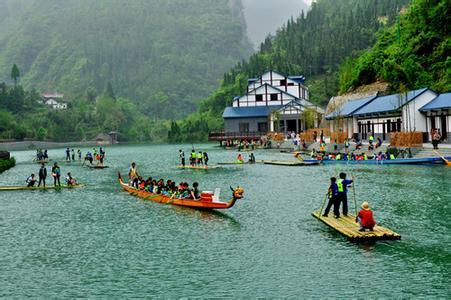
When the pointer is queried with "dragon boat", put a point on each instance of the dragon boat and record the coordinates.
(207, 201)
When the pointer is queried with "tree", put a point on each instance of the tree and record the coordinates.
(15, 74)
(41, 134)
(109, 91)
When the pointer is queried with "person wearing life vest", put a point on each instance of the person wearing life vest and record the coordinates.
(239, 158)
(342, 184)
(133, 175)
(200, 158)
(193, 157)
(332, 195)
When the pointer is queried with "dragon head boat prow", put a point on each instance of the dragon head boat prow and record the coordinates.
(238, 192)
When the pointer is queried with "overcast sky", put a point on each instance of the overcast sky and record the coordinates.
(265, 16)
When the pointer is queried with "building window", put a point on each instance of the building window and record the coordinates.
(290, 83)
(283, 82)
(258, 97)
(263, 127)
(244, 127)
(273, 97)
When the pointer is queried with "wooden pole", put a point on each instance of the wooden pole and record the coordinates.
(322, 206)
(353, 191)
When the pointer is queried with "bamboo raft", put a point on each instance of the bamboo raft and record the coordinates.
(232, 163)
(24, 188)
(198, 167)
(290, 163)
(347, 226)
(98, 167)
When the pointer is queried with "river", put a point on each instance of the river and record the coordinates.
(99, 241)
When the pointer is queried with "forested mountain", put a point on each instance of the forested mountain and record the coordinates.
(314, 45)
(165, 55)
(413, 53)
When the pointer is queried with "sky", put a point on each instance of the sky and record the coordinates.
(266, 16)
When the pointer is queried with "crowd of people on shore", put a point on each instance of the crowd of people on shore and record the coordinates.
(167, 188)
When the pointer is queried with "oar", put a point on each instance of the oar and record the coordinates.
(322, 206)
(353, 191)
(442, 157)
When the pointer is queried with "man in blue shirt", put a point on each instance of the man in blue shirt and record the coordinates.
(332, 194)
(343, 184)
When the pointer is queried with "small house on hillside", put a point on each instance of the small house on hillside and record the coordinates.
(411, 111)
(106, 139)
(273, 102)
(55, 101)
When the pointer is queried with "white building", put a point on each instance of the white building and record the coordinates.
(55, 101)
(273, 102)
(391, 113)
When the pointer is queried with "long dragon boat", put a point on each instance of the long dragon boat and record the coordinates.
(34, 188)
(398, 161)
(208, 200)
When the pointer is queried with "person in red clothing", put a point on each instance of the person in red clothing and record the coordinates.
(365, 218)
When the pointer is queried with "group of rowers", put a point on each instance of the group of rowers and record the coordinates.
(56, 174)
(351, 156)
(160, 187)
(195, 159)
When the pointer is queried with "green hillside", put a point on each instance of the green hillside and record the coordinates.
(166, 55)
(413, 53)
(314, 45)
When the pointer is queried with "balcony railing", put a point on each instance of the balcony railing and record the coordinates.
(222, 136)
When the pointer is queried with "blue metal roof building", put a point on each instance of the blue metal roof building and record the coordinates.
(443, 101)
(389, 103)
(350, 107)
(249, 112)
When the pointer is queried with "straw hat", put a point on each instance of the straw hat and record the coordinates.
(365, 205)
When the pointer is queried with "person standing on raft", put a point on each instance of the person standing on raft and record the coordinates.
(365, 218)
(333, 198)
(182, 158)
(56, 173)
(343, 184)
(42, 174)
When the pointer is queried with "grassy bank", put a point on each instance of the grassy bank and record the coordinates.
(6, 164)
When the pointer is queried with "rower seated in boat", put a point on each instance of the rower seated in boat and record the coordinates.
(195, 191)
(251, 158)
(70, 181)
(365, 218)
(239, 158)
(31, 180)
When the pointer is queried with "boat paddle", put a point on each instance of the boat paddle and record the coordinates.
(353, 191)
(447, 162)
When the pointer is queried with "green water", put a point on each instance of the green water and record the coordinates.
(101, 242)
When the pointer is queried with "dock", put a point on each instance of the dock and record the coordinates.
(290, 163)
(349, 228)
